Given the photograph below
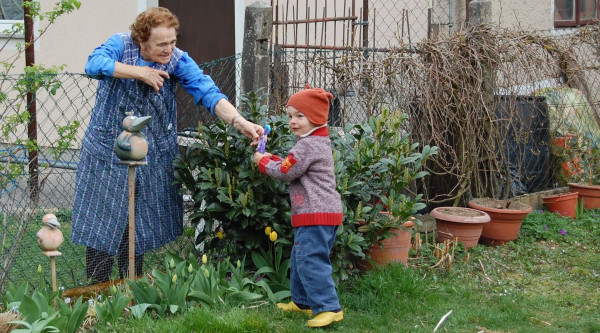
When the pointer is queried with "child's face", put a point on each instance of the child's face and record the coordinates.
(299, 124)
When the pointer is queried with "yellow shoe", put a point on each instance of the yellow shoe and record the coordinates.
(325, 318)
(291, 306)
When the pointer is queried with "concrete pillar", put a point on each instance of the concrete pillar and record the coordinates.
(480, 12)
(258, 27)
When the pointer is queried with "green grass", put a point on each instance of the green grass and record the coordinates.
(546, 281)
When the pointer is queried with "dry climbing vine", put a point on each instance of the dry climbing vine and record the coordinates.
(452, 88)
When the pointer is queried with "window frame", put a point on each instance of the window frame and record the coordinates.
(577, 20)
(7, 25)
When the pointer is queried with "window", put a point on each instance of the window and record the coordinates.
(11, 9)
(11, 12)
(571, 13)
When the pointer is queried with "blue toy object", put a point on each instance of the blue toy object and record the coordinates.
(263, 140)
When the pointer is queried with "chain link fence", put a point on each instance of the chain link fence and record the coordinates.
(495, 101)
(62, 112)
(523, 93)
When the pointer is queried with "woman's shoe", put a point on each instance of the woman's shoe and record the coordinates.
(291, 306)
(325, 318)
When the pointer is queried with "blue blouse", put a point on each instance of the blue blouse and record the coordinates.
(191, 77)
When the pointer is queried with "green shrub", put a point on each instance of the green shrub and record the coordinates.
(230, 194)
(376, 167)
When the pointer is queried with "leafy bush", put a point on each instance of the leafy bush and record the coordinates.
(376, 167)
(230, 195)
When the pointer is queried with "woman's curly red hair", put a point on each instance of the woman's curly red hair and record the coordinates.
(149, 19)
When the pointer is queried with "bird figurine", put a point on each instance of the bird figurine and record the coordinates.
(49, 237)
(131, 144)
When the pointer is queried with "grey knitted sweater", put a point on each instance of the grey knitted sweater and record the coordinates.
(309, 169)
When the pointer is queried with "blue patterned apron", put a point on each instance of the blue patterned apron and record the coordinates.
(100, 213)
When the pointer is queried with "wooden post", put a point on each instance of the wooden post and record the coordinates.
(131, 222)
(52, 255)
(131, 227)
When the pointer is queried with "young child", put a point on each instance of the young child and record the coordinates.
(316, 206)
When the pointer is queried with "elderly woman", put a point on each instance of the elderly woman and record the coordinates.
(138, 73)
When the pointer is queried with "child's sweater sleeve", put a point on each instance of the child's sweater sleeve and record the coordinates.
(291, 167)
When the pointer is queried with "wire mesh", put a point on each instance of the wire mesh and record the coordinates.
(379, 65)
(62, 118)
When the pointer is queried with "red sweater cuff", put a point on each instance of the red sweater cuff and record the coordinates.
(262, 164)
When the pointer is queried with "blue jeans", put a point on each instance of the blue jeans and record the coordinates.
(310, 271)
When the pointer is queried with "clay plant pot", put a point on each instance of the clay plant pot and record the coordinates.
(563, 203)
(461, 222)
(393, 249)
(505, 222)
(590, 194)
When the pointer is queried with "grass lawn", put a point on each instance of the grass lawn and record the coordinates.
(546, 281)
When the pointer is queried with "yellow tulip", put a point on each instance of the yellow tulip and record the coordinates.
(268, 231)
(174, 279)
(204, 259)
(190, 268)
(273, 236)
(220, 234)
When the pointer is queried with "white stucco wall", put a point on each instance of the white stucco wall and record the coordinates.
(76, 35)
(73, 36)
(68, 42)
(526, 14)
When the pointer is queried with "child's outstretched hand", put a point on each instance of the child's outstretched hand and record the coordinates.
(258, 156)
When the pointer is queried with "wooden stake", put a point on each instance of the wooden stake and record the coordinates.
(52, 255)
(132, 165)
(132, 222)
(53, 269)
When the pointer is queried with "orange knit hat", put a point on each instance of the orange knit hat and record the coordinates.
(313, 103)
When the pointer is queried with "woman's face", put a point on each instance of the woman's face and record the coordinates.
(160, 45)
(299, 124)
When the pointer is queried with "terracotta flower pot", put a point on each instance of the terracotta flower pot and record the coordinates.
(563, 203)
(590, 194)
(505, 223)
(464, 223)
(395, 248)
